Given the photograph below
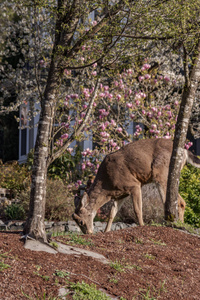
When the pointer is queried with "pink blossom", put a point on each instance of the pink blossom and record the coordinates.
(118, 96)
(119, 129)
(102, 126)
(67, 72)
(188, 145)
(176, 103)
(149, 115)
(106, 88)
(94, 65)
(169, 114)
(88, 163)
(74, 96)
(129, 71)
(129, 105)
(84, 153)
(110, 96)
(146, 67)
(166, 78)
(159, 113)
(67, 98)
(167, 136)
(137, 102)
(104, 134)
(132, 116)
(83, 166)
(101, 95)
(141, 78)
(94, 23)
(116, 83)
(103, 141)
(143, 112)
(94, 73)
(64, 136)
(147, 76)
(113, 123)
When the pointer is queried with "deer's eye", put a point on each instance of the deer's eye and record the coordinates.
(81, 223)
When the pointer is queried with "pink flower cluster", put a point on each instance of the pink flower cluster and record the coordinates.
(188, 145)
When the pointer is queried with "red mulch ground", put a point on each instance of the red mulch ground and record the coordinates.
(158, 263)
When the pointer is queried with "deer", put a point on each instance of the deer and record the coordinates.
(123, 173)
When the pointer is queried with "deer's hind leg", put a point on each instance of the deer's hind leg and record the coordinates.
(136, 194)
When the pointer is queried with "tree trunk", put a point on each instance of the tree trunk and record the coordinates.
(171, 213)
(35, 223)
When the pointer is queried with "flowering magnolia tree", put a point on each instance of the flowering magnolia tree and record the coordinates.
(134, 104)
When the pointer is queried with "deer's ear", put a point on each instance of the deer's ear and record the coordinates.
(84, 200)
(77, 201)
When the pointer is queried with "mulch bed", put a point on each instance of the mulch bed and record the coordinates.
(148, 263)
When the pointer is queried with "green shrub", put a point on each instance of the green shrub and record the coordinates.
(66, 167)
(190, 191)
(14, 176)
(15, 212)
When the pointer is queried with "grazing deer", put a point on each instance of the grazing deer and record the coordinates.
(123, 173)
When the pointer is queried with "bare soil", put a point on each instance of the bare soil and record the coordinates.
(148, 263)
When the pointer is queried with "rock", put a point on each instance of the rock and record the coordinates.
(71, 226)
(65, 249)
(38, 246)
(48, 224)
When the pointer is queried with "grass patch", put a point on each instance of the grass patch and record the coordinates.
(61, 274)
(122, 266)
(3, 266)
(153, 294)
(117, 265)
(150, 256)
(158, 242)
(76, 239)
(84, 291)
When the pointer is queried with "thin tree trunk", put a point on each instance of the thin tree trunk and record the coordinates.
(35, 223)
(188, 97)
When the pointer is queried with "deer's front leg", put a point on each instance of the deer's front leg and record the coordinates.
(114, 209)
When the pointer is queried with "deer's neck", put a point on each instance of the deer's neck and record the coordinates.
(98, 197)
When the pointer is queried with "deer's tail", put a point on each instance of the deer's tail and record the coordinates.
(193, 159)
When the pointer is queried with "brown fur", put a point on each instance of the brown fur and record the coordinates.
(123, 173)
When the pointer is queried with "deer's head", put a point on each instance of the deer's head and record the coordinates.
(83, 215)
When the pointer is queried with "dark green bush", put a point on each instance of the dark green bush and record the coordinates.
(190, 191)
(15, 212)
(66, 167)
